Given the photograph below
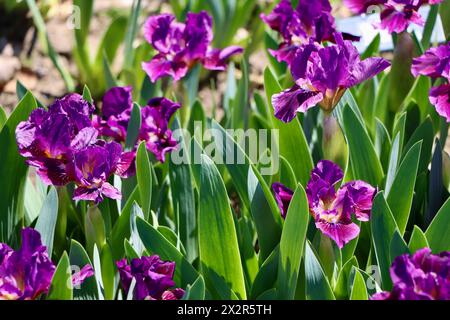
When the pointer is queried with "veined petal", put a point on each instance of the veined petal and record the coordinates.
(440, 98)
(366, 69)
(157, 31)
(116, 101)
(293, 100)
(216, 59)
(361, 195)
(339, 233)
(84, 138)
(160, 67)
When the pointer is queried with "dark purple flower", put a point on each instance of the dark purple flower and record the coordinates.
(92, 167)
(310, 21)
(287, 103)
(116, 111)
(395, 15)
(332, 210)
(399, 14)
(181, 45)
(435, 63)
(155, 127)
(49, 138)
(117, 105)
(440, 98)
(216, 59)
(76, 109)
(154, 278)
(322, 75)
(422, 276)
(25, 274)
(283, 195)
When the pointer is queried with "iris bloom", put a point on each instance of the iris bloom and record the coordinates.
(332, 210)
(322, 75)
(396, 15)
(92, 166)
(155, 116)
(26, 274)
(116, 113)
(422, 276)
(435, 63)
(154, 129)
(63, 145)
(49, 139)
(310, 20)
(154, 278)
(181, 45)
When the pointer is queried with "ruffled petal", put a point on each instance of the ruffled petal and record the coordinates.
(293, 100)
(440, 98)
(339, 233)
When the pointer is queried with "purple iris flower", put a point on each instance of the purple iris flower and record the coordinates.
(154, 278)
(422, 276)
(396, 15)
(435, 63)
(440, 98)
(117, 106)
(399, 14)
(64, 147)
(49, 138)
(283, 195)
(181, 45)
(27, 273)
(332, 210)
(322, 74)
(116, 113)
(154, 129)
(92, 167)
(309, 21)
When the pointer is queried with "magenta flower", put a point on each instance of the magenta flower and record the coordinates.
(27, 273)
(440, 98)
(64, 147)
(422, 276)
(117, 106)
(322, 74)
(396, 15)
(154, 278)
(116, 112)
(154, 129)
(435, 63)
(399, 14)
(309, 21)
(181, 45)
(49, 138)
(333, 210)
(283, 195)
(92, 167)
